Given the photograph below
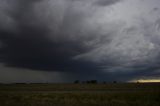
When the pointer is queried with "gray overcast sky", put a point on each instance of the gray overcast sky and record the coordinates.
(65, 40)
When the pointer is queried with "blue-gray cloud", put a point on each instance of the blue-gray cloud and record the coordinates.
(106, 2)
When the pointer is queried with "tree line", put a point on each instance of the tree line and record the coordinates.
(90, 82)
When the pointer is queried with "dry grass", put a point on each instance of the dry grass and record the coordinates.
(80, 95)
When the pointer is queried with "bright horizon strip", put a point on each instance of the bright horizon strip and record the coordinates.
(149, 80)
(146, 80)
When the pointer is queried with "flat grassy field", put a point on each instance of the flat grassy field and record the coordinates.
(122, 94)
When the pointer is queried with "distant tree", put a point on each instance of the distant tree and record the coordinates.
(77, 82)
(93, 81)
(114, 82)
(88, 82)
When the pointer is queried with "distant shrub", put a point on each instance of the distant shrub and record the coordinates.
(114, 82)
(77, 82)
(92, 82)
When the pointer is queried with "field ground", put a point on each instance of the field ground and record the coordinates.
(127, 94)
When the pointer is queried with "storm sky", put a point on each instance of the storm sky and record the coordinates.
(66, 40)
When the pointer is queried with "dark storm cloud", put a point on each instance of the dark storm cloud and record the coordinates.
(30, 46)
(78, 37)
